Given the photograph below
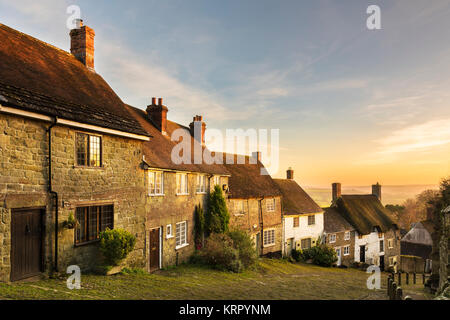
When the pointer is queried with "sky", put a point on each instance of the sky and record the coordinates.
(353, 105)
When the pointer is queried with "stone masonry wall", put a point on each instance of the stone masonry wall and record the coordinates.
(24, 184)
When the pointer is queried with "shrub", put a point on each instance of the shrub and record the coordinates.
(217, 218)
(199, 226)
(115, 245)
(320, 255)
(245, 246)
(220, 253)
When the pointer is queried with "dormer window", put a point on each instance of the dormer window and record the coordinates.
(89, 150)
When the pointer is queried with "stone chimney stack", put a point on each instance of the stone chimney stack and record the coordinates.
(158, 114)
(82, 44)
(198, 128)
(336, 191)
(257, 156)
(376, 190)
(290, 174)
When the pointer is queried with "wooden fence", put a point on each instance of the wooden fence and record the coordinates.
(394, 289)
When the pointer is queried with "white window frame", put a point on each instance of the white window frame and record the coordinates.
(347, 235)
(312, 224)
(240, 207)
(152, 175)
(169, 231)
(269, 240)
(346, 248)
(332, 238)
(391, 243)
(201, 184)
(216, 181)
(270, 205)
(181, 239)
(182, 184)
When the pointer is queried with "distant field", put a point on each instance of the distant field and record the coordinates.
(390, 194)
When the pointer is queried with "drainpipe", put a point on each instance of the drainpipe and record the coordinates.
(262, 224)
(50, 189)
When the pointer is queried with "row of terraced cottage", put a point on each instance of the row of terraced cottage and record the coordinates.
(69, 147)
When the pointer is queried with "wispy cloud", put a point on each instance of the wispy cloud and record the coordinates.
(418, 137)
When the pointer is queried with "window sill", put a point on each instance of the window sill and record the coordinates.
(82, 244)
(182, 194)
(182, 246)
(169, 237)
(202, 192)
(269, 245)
(156, 195)
(239, 214)
(88, 167)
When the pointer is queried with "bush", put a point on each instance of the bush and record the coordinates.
(217, 218)
(320, 255)
(199, 226)
(245, 246)
(115, 245)
(220, 253)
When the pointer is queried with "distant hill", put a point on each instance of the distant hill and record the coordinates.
(390, 194)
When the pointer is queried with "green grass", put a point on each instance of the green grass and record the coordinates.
(272, 279)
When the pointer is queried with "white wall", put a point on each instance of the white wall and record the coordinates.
(303, 230)
(372, 243)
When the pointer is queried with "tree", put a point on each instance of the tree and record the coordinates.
(199, 227)
(217, 217)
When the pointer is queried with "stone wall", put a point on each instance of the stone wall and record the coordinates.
(24, 184)
(340, 242)
(171, 209)
(249, 220)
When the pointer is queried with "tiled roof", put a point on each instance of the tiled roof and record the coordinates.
(158, 151)
(295, 199)
(37, 77)
(246, 180)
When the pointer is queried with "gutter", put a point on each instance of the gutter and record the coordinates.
(50, 189)
(261, 224)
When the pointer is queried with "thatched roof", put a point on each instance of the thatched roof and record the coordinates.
(365, 213)
(295, 199)
(335, 222)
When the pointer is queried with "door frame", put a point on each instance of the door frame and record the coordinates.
(160, 240)
(362, 248)
(339, 256)
(42, 213)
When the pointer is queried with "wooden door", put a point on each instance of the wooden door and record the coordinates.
(382, 263)
(258, 243)
(362, 254)
(289, 246)
(154, 249)
(26, 243)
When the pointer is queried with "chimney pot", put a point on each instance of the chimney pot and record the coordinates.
(153, 101)
(198, 121)
(336, 191)
(158, 114)
(257, 155)
(160, 101)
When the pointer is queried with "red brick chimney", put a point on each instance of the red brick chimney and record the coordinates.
(198, 128)
(336, 193)
(290, 174)
(158, 114)
(82, 44)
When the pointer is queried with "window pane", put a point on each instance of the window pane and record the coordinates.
(93, 223)
(81, 147)
(107, 218)
(185, 183)
(81, 226)
(94, 151)
(158, 183)
(151, 182)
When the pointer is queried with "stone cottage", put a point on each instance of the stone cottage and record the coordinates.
(173, 190)
(418, 242)
(254, 203)
(377, 237)
(340, 235)
(69, 148)
(303, 220)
